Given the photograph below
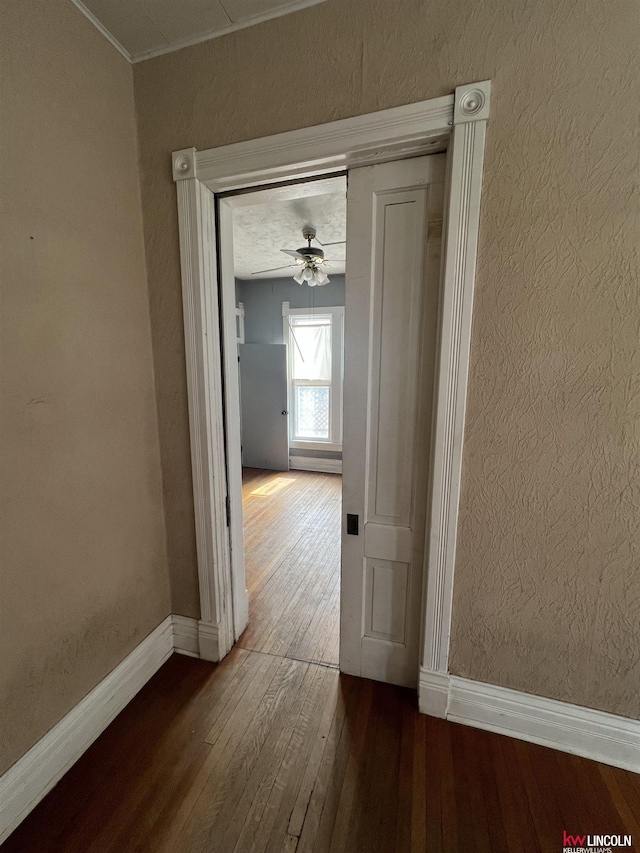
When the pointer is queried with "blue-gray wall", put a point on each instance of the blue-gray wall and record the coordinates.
(263, 300)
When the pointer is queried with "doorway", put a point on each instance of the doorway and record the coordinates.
(282, 273)
(288, 391)
(454, 123)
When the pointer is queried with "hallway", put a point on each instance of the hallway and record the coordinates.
(292, 554)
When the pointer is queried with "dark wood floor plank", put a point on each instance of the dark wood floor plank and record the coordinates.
(353, 771)
(630, 786)
(613, 777)
(312, 728)
(471, 795)
(219, 757)
(229, 774)
(402, 842)
(380, 828)
(479, 746)
(336, 778)
(268, 820)
(595, 795)
(421, 801)
(452, 822)
(360, 813)
(546, 816)
(255, 779)
(516, 814)
(566, 790)
(184, 749)
(307, 824)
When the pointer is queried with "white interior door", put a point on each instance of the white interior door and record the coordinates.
(394, 219)
(232, 416)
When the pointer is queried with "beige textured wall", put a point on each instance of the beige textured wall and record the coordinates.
(84, 575)
(547, 589)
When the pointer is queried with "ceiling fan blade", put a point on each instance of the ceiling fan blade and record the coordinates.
(336, 243)
(293, 253)
(274, 269)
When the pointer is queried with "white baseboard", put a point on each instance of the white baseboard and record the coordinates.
(208, 641)
(570, 728)
(312, 463)
(32, 776)
(185, 636)
(433, 693)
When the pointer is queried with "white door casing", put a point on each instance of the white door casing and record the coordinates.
(455, 123)
(196, 216)
(232, 424)
(394, 217)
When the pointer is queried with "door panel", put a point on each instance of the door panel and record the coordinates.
(263, 384)
(386, 584)
(399, 232)
(394, 214)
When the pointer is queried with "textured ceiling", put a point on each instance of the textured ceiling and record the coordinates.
(144, 28)
(267, 221)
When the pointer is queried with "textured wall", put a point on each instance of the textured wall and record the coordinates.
(547, 591)
(84, 575)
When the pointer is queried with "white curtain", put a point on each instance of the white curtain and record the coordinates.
(312, 350)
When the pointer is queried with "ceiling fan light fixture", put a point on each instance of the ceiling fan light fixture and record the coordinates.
(311, 260)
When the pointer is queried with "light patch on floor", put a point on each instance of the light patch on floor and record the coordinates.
(272, 487)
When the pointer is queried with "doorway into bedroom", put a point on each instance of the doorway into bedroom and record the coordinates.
(289, 249)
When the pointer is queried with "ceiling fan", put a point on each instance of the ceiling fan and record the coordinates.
(309, 259)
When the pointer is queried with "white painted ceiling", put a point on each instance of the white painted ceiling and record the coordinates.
(141, 29)
(266, 221)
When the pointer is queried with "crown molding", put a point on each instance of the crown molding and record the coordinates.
(233, 27)
(105, 32)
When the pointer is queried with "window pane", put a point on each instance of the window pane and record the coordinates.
(312, 412)
(311, 352)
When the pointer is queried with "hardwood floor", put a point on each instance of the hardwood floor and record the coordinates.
(292, 552)
(266, 753)
(274, 751)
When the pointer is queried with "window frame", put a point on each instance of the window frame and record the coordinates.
(336, 312)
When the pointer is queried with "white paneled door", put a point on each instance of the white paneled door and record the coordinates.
(394, 227)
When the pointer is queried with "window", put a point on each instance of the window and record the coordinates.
(315, 356)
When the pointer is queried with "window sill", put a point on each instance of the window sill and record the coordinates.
(314, 445)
